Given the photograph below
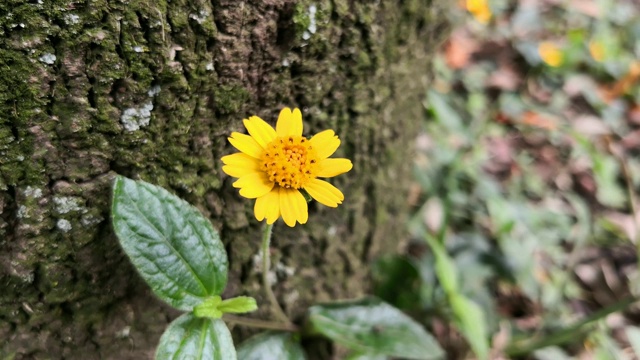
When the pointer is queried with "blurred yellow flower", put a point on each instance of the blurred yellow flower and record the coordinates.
(597, 51)
(480, 10)
(550, 53)
(273, 166)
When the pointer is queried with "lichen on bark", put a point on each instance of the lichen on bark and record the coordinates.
(150, 90)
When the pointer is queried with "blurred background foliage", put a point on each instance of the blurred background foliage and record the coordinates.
(525, 231)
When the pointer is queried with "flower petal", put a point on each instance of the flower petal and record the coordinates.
(268, 206)
(239, 165)
(334, 167)
(240, 159)
(262, 132)
(325, 143)
(246, 144)
(324, 192)
(253, 185)
(289, 123)
(293, 207)
(237, 171)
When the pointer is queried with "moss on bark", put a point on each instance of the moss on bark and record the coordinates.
(150, 90)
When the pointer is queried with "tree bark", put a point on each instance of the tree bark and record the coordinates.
(151, 89)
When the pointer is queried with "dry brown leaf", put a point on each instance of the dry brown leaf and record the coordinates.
(590, 125)
(538, 120)
(609, 93)
(631, 141)
(625, 222)
(459, 49)
(634, 114)
(587, 7)
(505, 78)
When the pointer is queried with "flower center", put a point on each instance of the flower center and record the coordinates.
(290, 161)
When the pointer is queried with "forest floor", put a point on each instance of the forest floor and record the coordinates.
(528, 173)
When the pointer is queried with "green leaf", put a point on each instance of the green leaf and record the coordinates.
(189, 337)
(359, 356)
(444, 266)
(271, 345)
(174, 248)
(444, 113)
(374, 327)
(214, 306)
(238, 305)
(472, 324)
(209, 308)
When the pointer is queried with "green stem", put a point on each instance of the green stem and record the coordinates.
(266, 264)
(260, 324)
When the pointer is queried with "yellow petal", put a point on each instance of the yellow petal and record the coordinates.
(239, 165)
(253, 185)
(324, 192)
(325, 143)
(246, 144)
(289, 123)
(293, 207)
(240, 159)
(268, 206)
(237, 171)
(262, 132)
(334, 167)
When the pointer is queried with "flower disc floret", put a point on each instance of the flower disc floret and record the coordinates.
(290, 162)
(275, 165)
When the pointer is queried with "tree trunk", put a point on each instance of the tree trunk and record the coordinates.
(151, 89)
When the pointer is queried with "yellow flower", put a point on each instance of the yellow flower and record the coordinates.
(480, 10)
(550, 53)
(275, 165)
(597, 51)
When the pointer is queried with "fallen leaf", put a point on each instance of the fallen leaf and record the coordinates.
(620, 87)
(459, 49)
(625, 222)
(590, 125)
(587, 7)
(631, 141)
(505, 78)
(538, 120)
(634, 114)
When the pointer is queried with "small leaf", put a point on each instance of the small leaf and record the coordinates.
(174, 247)
(374, 327)
(472, 324)
(209, 308)
(189, 337)
(271, 345)
(214, 306)
(238, 305)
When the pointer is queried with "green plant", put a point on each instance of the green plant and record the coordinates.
(180, 256)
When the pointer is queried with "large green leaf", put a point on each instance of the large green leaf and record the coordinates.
(374, 327)
(271, 345)
(175, 249)
(190, 337)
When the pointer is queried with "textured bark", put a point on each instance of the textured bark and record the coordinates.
(150, 89)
